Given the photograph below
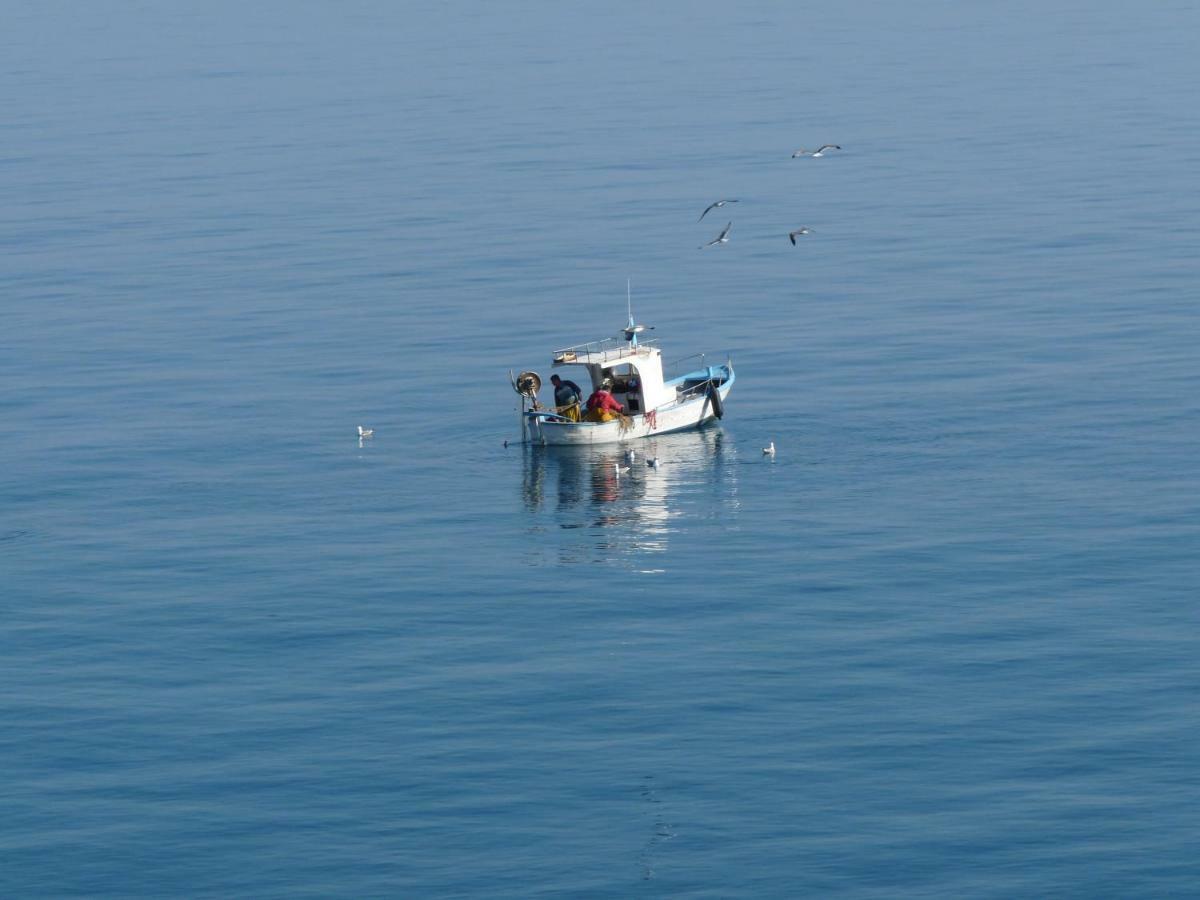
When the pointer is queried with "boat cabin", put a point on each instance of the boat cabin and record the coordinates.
(635, 369)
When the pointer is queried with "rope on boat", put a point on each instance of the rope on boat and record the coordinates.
(565, 411)
(624, 422)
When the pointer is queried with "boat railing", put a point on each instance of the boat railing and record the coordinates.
(704, 376)
(677, 368)
(599, 351)
(695, 390)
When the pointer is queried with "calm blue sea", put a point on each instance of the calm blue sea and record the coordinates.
(945, 644)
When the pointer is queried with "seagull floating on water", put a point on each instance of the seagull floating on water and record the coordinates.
(820, 151)
(714, 206)
(792, 234)
(722, 238)
(631, 454)
(652, 462)
(365, 432)
(769, 450)
(620, 471)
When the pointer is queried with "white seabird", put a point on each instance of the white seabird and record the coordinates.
(620, 471)
(769, 450)
(792, 234)
(652, 462)
(714, 206)
(820, 151)
(722, 238)
(365, 432)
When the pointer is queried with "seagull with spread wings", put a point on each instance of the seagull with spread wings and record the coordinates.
(712, 206)
(722, 238)
(820, 151)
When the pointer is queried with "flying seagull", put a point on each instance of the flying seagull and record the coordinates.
(792, 234)
(722, 238)
(820, 151)
(714, 206)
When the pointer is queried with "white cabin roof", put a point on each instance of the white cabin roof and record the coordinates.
(608, 352)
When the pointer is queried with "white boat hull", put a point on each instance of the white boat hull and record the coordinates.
(692, 413)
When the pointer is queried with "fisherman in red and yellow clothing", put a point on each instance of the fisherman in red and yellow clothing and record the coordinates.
(602, 405)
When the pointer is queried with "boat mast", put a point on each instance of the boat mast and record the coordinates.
(632, 330)
(629, 308)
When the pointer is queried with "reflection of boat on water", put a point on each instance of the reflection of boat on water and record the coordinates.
(631, 371)
(602, 514)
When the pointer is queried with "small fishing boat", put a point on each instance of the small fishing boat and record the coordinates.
(629, 368)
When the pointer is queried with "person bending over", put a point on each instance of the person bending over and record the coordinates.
(602, 405)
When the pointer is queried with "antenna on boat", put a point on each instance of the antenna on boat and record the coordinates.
(632, 330)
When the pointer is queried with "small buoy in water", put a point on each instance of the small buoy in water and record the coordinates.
(365, 432)
(506, 443)
(769, 450)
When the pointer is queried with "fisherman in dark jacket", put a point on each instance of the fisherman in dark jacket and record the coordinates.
(566, 397)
